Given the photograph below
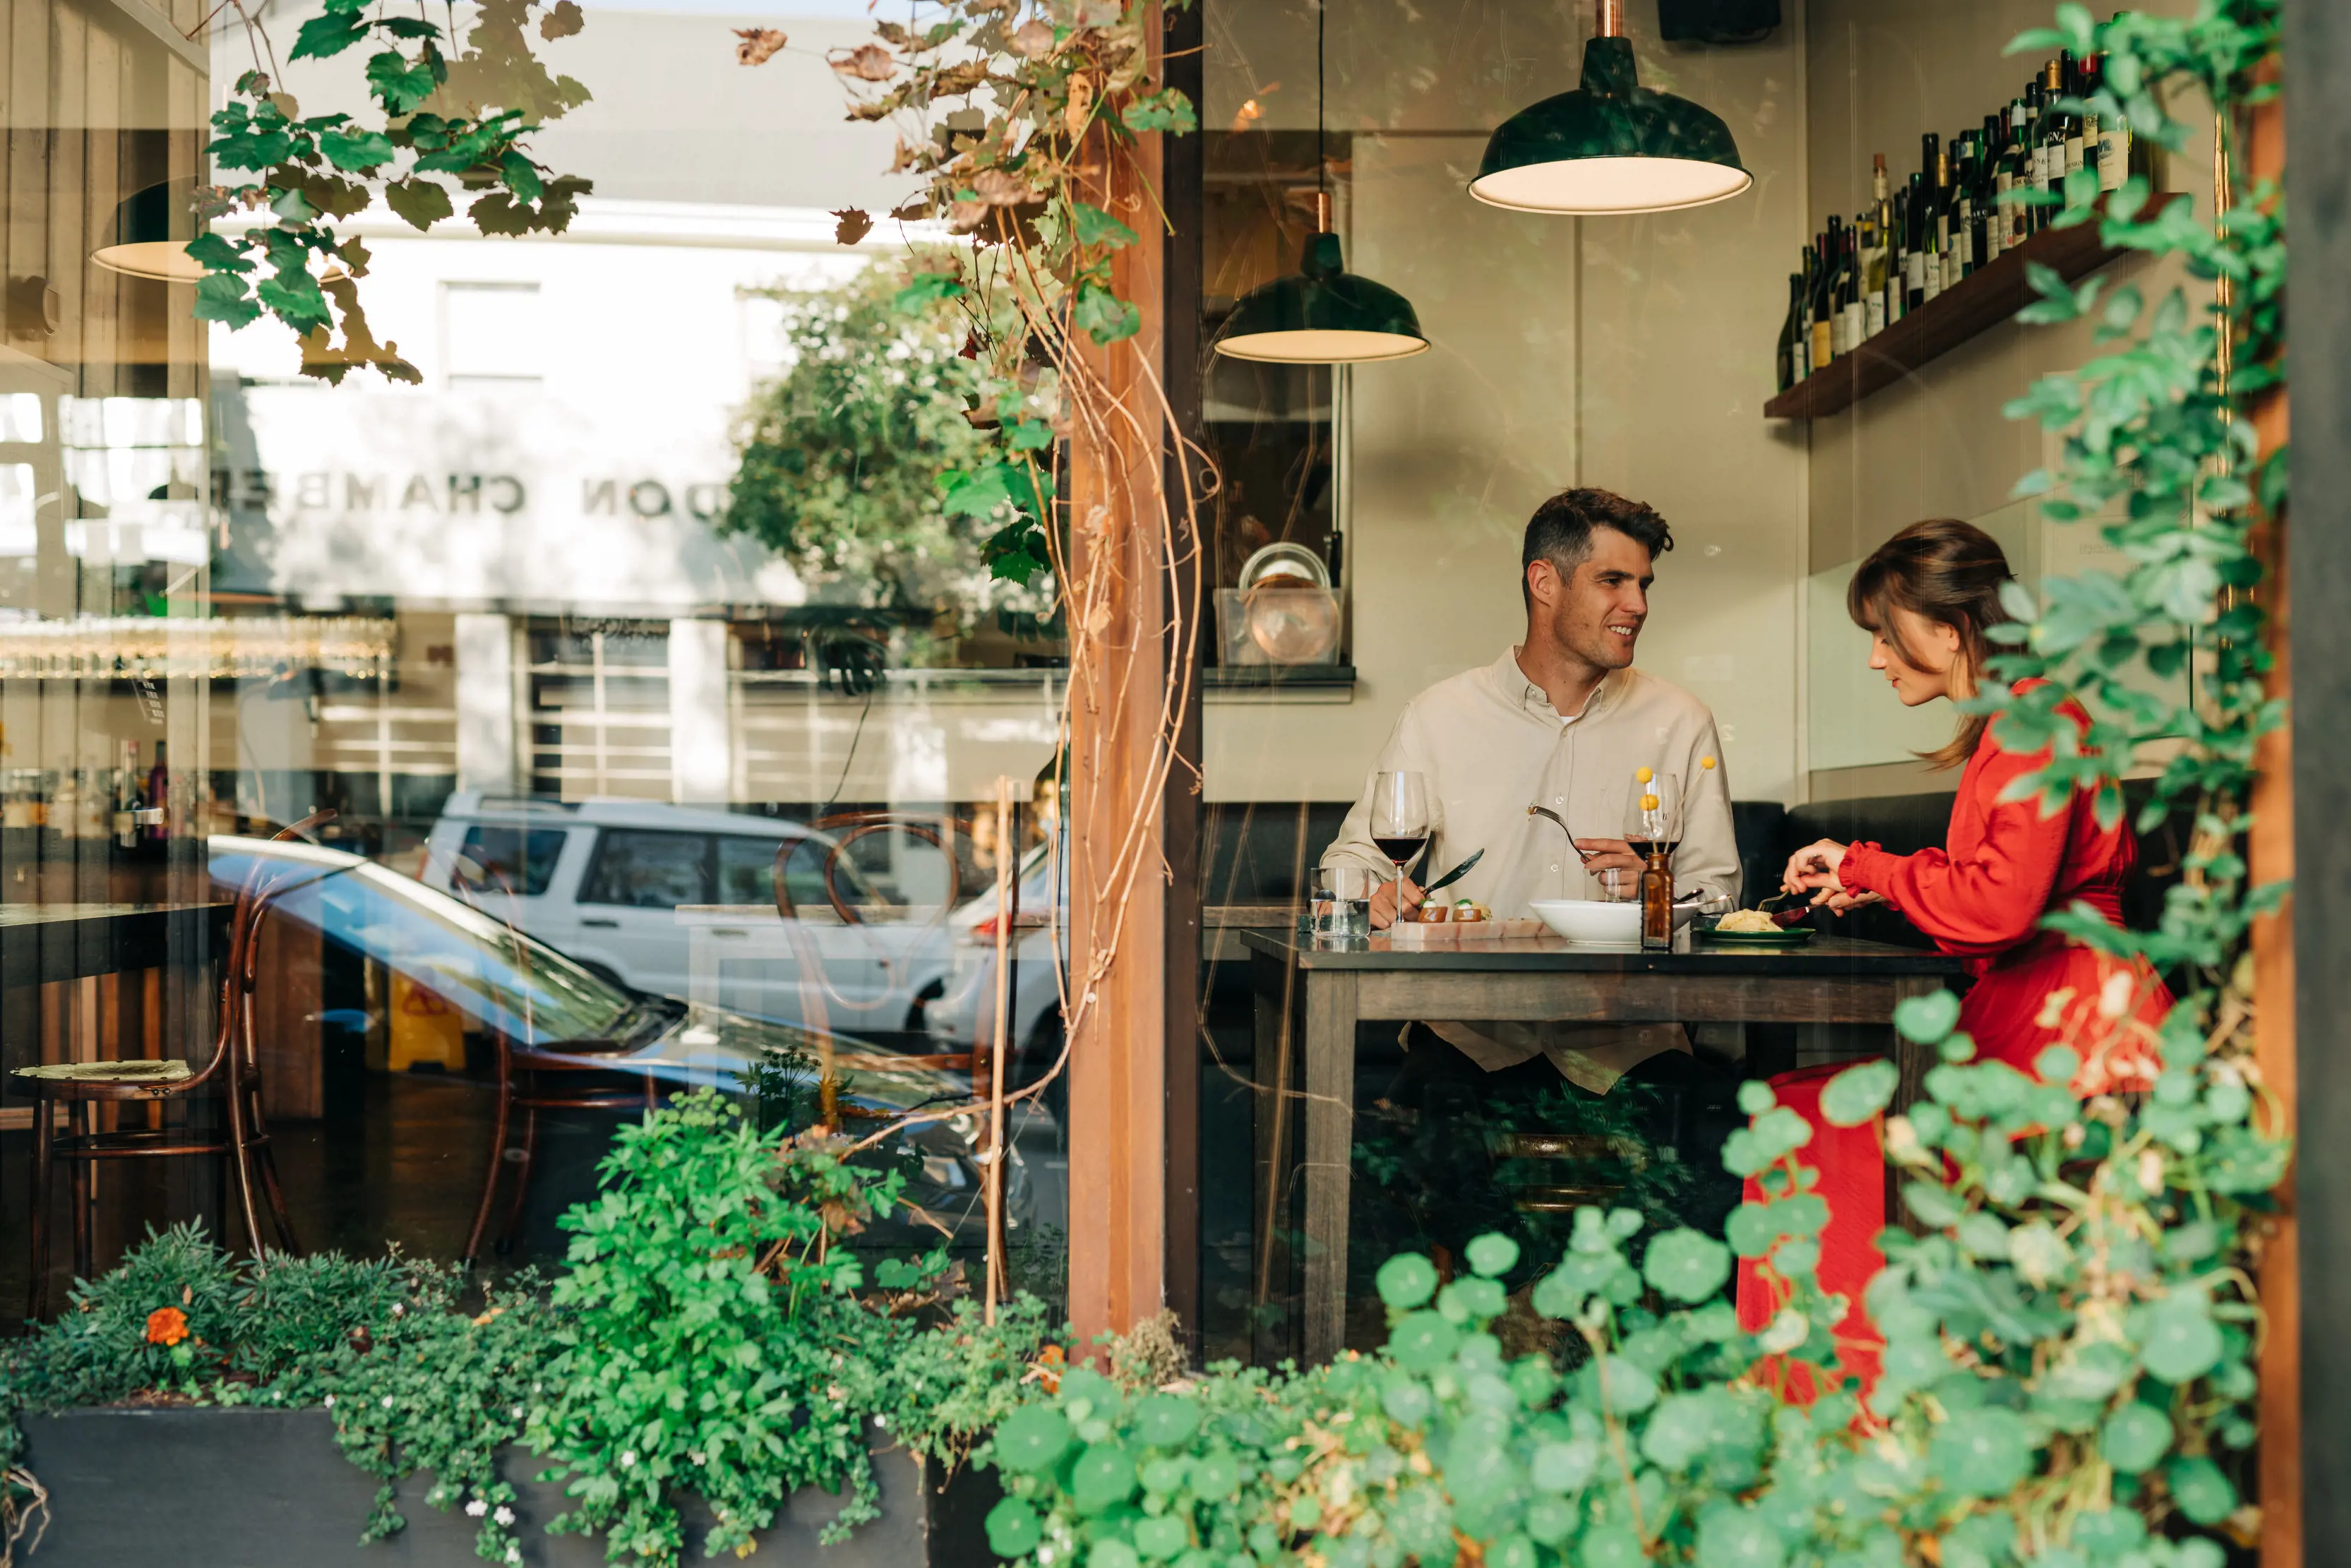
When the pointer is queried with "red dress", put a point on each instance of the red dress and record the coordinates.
(1980, 898)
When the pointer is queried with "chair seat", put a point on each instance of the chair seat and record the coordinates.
(133, 1072)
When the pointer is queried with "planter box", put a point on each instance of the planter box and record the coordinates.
(269, 1489)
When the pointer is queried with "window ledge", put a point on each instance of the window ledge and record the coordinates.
(1278, 683)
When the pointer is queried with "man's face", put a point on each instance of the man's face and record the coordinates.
(1597, 614)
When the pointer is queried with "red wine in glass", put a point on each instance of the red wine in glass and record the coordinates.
(1402, 820)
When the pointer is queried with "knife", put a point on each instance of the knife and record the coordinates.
(1455, 874)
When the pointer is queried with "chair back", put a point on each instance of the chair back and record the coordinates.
(233, 1038)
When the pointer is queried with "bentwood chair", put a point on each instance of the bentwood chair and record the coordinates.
(233, 1075)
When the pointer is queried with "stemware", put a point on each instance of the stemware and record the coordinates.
(1652, 813)
(1402, 820)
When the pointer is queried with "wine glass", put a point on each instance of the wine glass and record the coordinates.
(1401, 821)
(1652, 813)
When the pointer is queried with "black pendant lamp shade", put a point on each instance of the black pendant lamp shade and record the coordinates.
(1611, 146)
(1324, 316)
(140, 241)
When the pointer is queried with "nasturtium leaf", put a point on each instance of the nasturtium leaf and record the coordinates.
(1406, 1399)
(2135, 1438)
(1927, 1019)
(1858, 1093)
(1609, 1546)
(1406, 1281)
(1421, 1342)
(1164, 1475)
(2199, 1488)
(1472, 1300)
(1164, 1420)
(1492, 1255)
(1014, 1529)
(1751, 1228)
(1161, 1538)
(1563, 1466)
(2181, 1341)
(1216, 1474)
(1730, 1536)
(1113, 1554)
(1687, 1265)
(1549, 1520)
(1103, 1477)
(1755, 1097)
(1032, 1439)
(1624, 1388)
(1512, 1551)
(1624, 1224)
(1985, 1452)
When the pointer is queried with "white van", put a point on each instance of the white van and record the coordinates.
(672, 900)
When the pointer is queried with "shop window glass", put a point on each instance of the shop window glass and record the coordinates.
(649, 871)
(521, 860)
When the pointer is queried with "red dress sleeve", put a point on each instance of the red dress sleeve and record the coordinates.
(1992, 897)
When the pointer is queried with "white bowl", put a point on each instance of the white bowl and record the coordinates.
(1590, 920)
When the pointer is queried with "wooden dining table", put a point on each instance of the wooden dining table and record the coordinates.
(1310, 997)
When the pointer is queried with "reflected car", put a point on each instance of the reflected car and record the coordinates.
(678, 901)
(964, 1014)
(499, 980)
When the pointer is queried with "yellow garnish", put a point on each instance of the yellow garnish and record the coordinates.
(1706, 762)
(1642, 776)
(1648, 803)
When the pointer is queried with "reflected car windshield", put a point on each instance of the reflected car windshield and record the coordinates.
(498, 978)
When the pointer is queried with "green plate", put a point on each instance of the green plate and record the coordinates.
(1795, 937)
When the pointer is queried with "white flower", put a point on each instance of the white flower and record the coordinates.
(694, 1457)
(398, 1308)
(387, 1401)
(628, 1458)
(882, 1421)
(517, 1412)
(476, 1508)
(330, 1402)
(505, 1515)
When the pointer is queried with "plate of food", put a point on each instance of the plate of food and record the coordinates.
(1759, 928)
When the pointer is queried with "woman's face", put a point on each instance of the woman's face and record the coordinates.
(1934, 644)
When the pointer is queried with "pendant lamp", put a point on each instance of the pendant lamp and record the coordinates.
(1612, 146)
(1325, 315)
(140, 241)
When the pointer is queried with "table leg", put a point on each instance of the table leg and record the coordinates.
(1272, 1108)
(1329, 1051)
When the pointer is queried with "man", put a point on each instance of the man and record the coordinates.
(1563, 721)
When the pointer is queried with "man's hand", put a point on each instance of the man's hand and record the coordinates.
(1384, 901)
(1608, 854)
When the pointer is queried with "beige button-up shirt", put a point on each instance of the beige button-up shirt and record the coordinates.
(1491, 745)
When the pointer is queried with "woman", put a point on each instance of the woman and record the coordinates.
(1929, 597)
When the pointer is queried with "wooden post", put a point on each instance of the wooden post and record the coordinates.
(1117, 860)
(2271, 858)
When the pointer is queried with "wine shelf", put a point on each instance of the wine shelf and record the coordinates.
(1976, 304)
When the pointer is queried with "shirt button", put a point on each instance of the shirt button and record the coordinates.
(1558, 800)
(1555, 868)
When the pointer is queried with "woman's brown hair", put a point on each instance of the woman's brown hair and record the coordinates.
(1949, 572)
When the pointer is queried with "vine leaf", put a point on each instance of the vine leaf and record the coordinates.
(420, 203)
(852, 225)
(565, 18)
(758, 45)
(867, 62)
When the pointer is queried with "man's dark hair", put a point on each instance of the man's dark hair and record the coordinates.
(1561, 530)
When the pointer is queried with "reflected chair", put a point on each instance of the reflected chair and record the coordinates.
(233, 1075)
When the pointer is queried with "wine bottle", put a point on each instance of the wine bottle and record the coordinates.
(1941, 270)
(1897, 291)
(2017, 163)
(2113, 144)
(1990, 216)
(1857, 242)
(1963, 204)
(1880, 232)
(1823, 297)
(1918, 223)
(2086, 89)
(1794, 365)
(159, 796)
(2052, 137)
(2069, 75)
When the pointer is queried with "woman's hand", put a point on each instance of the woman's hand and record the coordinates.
(1384, 901)
(1838, 903)
(1813, 870)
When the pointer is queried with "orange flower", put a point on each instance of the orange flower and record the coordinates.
(166, 1325)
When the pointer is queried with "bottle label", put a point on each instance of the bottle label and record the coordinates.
(1934, 276)
(1914, 271)
(1873, 314)
(2114, 159)
(1822, 353)
(2041, 168)
(2074, 145)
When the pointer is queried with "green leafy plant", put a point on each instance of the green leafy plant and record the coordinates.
(841, 462)
(1012, 108)
(442, 121)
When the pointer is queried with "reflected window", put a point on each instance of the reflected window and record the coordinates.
(512, 859)
(747, 873)
(493, 334)
(650, 870)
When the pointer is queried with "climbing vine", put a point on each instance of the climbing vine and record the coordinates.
(445, 126)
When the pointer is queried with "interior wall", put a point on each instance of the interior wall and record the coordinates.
(1630, 353)
(1880, 73)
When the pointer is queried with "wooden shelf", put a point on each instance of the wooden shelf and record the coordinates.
(1976, 304)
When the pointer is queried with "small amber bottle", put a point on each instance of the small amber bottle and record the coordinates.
(1657, 903)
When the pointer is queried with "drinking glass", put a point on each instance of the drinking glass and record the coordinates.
(1402, 820)
(1342, 903)
(1618, 885)
(1652, 813)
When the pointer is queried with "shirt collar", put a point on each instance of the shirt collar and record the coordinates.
(1529, 698)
